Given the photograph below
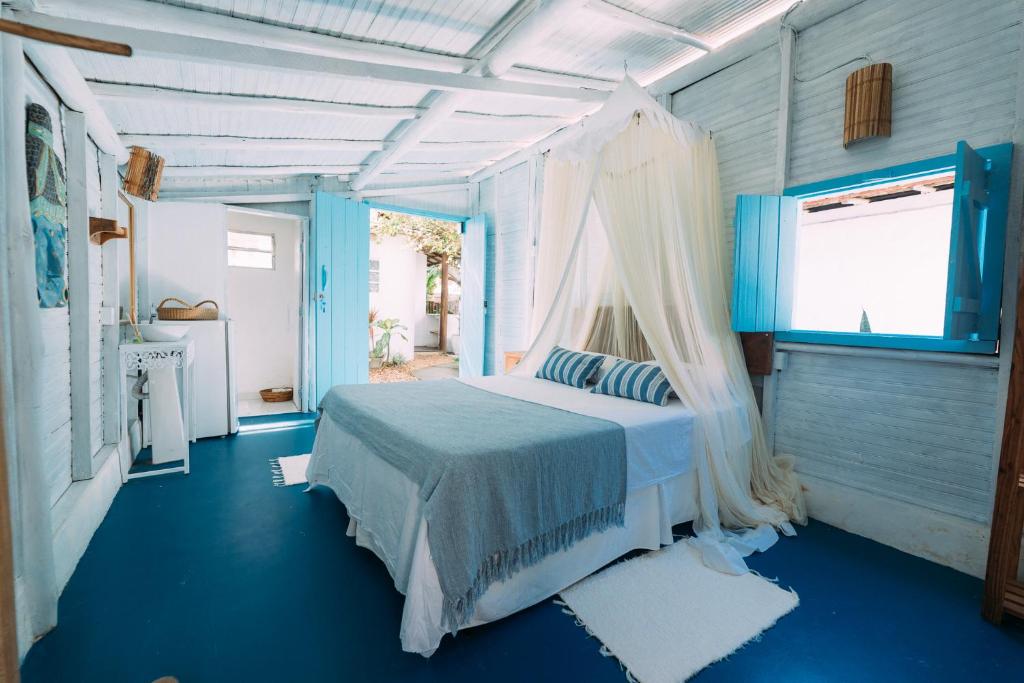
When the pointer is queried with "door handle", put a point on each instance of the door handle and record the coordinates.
(324, 279)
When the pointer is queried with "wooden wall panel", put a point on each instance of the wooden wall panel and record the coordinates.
(739, 105)
(954, 76)
(514, 267)
(56, 330)
(917, 432)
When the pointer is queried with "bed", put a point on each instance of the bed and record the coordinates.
(387, 517)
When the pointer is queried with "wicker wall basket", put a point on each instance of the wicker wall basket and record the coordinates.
(204, 310)
(276, 395)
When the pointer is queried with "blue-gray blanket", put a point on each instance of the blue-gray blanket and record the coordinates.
(504, 482)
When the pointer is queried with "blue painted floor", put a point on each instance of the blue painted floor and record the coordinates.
(220, 576)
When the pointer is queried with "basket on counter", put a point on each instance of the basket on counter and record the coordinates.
(204, 310)
(276, 395)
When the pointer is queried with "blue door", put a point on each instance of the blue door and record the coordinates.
(473, 302)
(340, 291)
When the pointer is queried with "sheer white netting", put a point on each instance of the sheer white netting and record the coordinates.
(632, 263)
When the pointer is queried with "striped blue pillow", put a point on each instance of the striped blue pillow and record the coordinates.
(569, 367)
(636, 381)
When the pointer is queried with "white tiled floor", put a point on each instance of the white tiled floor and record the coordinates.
(247, 407)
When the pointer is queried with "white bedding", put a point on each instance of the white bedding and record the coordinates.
(386, 510)
(658, 438)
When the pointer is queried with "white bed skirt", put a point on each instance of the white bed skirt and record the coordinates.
(386, 517)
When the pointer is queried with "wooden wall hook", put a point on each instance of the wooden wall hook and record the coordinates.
(103, 229)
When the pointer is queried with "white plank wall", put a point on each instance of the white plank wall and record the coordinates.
(508, 201)
(739, 105)
(513, 236)
(954, 77)
(919, 434)
(95, 303)
(56, 330)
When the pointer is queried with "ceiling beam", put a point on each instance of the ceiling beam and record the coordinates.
(226, 143)
(63, 76)
(413, 189)
(516, 39)
(158, 142)
(219, 101)
(210, 51)
(206, 24)
(255, 197)
(643, 24)
(120, 92)
(245, 171)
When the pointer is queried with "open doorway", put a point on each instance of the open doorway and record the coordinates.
(415, 293)
(265, 294)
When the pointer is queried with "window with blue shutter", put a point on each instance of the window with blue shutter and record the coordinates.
(908, 257)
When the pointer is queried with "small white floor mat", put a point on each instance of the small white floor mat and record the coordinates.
(665, 616)
(290, 469)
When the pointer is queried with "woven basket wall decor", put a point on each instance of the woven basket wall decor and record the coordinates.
(204, 310)
(145, 171)
(868, 104)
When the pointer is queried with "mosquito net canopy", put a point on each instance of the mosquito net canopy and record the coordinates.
(632, 263)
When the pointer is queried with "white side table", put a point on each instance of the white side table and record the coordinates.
(148, 355)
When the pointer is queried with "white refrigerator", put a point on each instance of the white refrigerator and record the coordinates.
(216, 402)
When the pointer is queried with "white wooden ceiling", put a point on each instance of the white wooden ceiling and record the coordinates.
(214, 114)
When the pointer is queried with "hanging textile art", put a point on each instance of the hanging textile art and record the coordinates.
(47, 192)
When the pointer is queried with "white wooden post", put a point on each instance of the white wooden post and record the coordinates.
(76, 142)
(112, 398)
(787, 41)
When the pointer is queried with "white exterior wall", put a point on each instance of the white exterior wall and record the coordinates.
(402, 295)
(265, 308)
(897, 449)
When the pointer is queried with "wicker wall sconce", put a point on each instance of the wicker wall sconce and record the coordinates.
(868, 104)
(145, 171)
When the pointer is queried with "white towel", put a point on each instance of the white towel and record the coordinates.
(169, 442)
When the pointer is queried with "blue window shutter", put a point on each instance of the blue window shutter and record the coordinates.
(993, 240)
(980, 197)
(764, 257)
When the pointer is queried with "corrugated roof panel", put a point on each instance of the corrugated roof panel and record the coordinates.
(455, 130)
(161, 118)
(594, 46)
(179, 75)
(600, 46)
(447, 27)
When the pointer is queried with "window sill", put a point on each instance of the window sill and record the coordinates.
(882, 341)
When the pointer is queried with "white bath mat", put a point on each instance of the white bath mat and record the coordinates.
(665, 616)
(290, 469)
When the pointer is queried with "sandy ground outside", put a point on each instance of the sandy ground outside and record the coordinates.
(403, 373)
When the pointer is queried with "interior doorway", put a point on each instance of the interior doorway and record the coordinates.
(265, 275)
(414, 290)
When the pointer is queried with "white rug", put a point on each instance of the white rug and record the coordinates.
(290, 469)
(665, 616)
